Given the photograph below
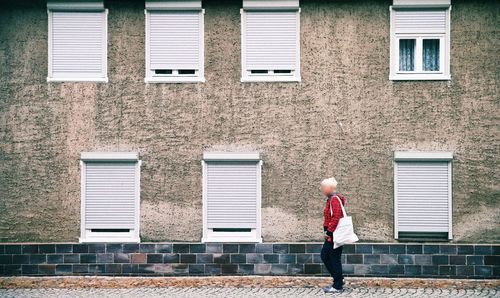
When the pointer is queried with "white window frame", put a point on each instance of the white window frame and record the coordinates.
(175, 77)
(247, 75)
(255, 235)
(424, 156)
(76, 78)
(444, 47)
(86, 235)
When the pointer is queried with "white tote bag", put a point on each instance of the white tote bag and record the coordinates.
(344, 233)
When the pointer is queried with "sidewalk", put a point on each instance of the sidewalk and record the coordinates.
(229, 287)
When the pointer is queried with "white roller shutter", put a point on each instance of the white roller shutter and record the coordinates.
(420, 21)
(175, 39)
(77, 45)
(423, 196)
(232, 192)
(110, 195)
(271, 40)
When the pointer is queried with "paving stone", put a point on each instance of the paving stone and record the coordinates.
(271, 258)
(266, 248)
(287, 259)
(118, 258)
(230, 248)
(247, 248)
(221, 258)
(397, 249)
(171, 258)
(371, 259)
(413, 270)
(294, 269)
(406, 259)
(47, 248)
(196, 248)
(354, 259)
(457, 260)
(238, 259)
(482, 249)
(210, 292)
(30, 249)
(154, 258)
(168, 248)
(431, 249)
(196, 268)
(80, 248)
(447, 249)
(214, 248)
(13, 249)
(181, 248)
(138, 258)
(380, 249)
(114, 247)
(297, 248)
(188, 258)
(130, 247)
(314, 248)
(104, 258)
(364, 248)
(15, 259)
(147, 247)
(55, 259)
(465, 249)
(414, 249)
(205, 258)
(97, 248)
(475, 260)
(280, 248)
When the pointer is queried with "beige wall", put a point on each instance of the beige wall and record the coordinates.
(296, 126)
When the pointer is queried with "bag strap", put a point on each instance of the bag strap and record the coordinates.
(341, 206)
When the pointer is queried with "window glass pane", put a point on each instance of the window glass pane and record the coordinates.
(430, 54)
(407, 54)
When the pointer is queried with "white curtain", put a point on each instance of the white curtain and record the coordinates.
(430, 54)
(407, 54)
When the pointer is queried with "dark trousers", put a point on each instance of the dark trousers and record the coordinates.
(331, 259)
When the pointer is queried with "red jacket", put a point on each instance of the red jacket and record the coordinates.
(331, 220)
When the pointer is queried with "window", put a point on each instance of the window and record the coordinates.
(231, 197)
(270, 42)
(422, 193)
(174, 42)
(77, 41)
(110, 197)
(420, 40)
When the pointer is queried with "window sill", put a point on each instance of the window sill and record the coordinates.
(86, 80)
(257, 79)
(91, 239)
(175, 80)
(220, 239)
(419, 77)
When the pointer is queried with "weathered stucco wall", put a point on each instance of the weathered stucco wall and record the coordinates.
(345, 119)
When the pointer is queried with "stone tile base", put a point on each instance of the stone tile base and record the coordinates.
(297, 259)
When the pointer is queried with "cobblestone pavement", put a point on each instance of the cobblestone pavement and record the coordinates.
(247, 292)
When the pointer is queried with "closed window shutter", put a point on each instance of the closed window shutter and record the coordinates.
(110, 192)
(232, 190)
(423, 196)
(78, 44)
(174, 39)
(271, 40)
(420, 21)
